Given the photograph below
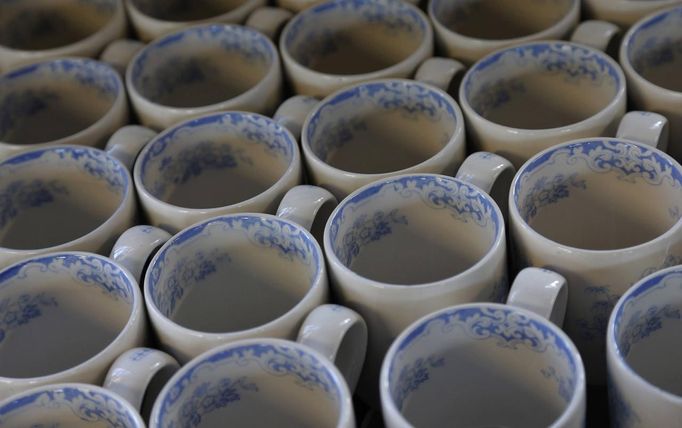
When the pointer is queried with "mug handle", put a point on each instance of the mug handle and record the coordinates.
(443, 73)
(541, 291)
(268, 20)
(309, 206)
(491, 173)
(135, 246)
(120, 52)
(644, 127)
(340, 334)
(127, 142)
(292, 113)
(601, 35)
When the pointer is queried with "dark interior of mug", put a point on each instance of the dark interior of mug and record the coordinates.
(233, 273)
(68, 307)
(202, 66)
(246, 153)
(495, 19)
(654, 50)
(382, 126)
(55, 99)
(414, 229)
(600, 194)
(49, 24)
(354, 37)
(186, 10)
(542, 85)
(50, 197)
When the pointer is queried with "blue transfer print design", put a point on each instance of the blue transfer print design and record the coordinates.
(546, 191)
(15, 106)
(412, 376)
(643, 324)
(621, 411)
(493, 95)
(140, 354)
(602, 300)
(20, 310)
(566, 385)
(176, 72)
(207, 376)
(367, 229)
(22, 195)
(86, 404)
(656, 41)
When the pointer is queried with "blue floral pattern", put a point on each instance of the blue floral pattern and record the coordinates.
(546, 191)
(643, 324)
(16, 106)
(367, 229)
(621, 411)
(20, 310)
(412, 376)
(22, 195)
(656, 41)
(211, 396)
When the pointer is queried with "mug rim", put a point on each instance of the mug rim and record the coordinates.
(132, 8)
(388, 404)
(456, 139)
(516, 218)
(135, 319)
(144, 194)
(127, 200)
(614, 354)
(498, 243)
(597, 117)
(345, 404)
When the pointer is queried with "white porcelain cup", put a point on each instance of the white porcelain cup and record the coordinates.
(644, 347)
(487, 365)
(63, 198)
(603, 212)
(61, 101)
(38, 30)
(342, 42)
(624, 12)
(65, 317)
(203, 69)
(272, 382)
(652, 62)
(469, 30)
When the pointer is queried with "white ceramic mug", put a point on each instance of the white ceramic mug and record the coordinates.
(487, 364)
(624, 12)
(39, 30)
(652, 62)
(603, 212)
(644, 347)
(61, 101)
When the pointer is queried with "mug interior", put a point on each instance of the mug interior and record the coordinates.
(344, 37)
(56, 99)
(69, 307)
(246, 153)
(53, 196)
(497, 20)
(599, 194)
(265, 383)
(202, 66)
(49, 24)
(542, 85)
(382, 126)
(414, 229)
(654, 49)
(233, 273)
(482, 365)
(186, 10)
(647, 327)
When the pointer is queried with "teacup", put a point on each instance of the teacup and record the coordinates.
(644, 347)
(343, 42)
(65, 317)
(652, 62)
(62, 101)
(201, 70)
(39, 30)
(624, 12)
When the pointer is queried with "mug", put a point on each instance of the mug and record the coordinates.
(603, 212)
(624, 12)
(65, 317)
(652, 63)
(643, 352)
(203, 69)
(41, 30)
(487, 364)
(62, 101)
(343, 42)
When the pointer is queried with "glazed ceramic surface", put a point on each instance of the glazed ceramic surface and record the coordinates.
(201, 70)
(62, 198)
(63, 101)
(524, 99)
(39, 30)
(603, 213)
(624, 12)
(652, 61)
(342, 42)
(644, 349)
(468, 30)
(80, 309)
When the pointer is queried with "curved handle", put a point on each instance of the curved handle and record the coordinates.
(444, 73)
(309, 206)
(268, 20)
(127, 142)
(120, 52)
(600, 35)
(293, 112)
(135, 246)
(138, 375)
(340, 334)
(541, 291)
(644, 127)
